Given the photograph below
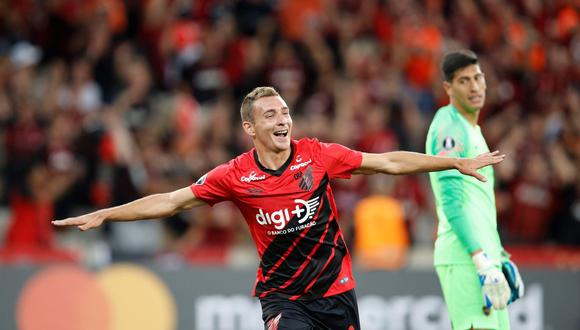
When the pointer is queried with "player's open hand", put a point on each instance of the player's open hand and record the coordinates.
(83, 222)
(469, 166)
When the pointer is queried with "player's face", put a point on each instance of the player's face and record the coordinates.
(272, 126)
(467, 89)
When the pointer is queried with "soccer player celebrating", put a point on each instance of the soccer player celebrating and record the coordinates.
(281, 186)
(477, 279)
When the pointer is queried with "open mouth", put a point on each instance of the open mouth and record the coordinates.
(282, 133)
(475, 98)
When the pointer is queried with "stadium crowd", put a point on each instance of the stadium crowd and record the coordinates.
(103, 101)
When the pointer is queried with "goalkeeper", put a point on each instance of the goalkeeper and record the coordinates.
(477, 278)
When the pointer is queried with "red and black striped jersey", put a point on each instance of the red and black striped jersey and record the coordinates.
(292, 217)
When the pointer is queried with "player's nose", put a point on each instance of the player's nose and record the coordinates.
(475, 86)
(283, 120)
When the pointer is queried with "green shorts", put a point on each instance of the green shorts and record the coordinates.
(462, 294)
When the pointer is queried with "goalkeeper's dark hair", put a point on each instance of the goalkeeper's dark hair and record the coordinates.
(456, 60)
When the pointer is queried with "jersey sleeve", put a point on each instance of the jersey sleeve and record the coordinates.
(212, 188)
(449, 138)
(452, 204)
(339, 160)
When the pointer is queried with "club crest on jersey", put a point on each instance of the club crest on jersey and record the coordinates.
(252, 177)
(303, 210)
(307, 180)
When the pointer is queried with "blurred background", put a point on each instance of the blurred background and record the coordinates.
(105, 101)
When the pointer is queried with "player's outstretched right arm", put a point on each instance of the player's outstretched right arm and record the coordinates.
(149, 207)
(404, 162)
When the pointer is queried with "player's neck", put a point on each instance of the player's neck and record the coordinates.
(471, 116)
(270, 159)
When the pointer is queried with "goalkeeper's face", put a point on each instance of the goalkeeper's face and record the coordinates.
(272, 125)
(467, 89)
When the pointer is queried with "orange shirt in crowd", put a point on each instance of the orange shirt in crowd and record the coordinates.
(297, 15)
(381, 237)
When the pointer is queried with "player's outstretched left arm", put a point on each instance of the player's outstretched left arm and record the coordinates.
(149, 207)
(404, 162)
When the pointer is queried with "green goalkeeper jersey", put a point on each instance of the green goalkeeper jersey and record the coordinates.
(465, 205)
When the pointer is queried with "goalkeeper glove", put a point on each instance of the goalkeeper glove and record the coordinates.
(514, 279)
(495, 288)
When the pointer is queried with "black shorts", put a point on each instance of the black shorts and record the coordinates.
(339, 312)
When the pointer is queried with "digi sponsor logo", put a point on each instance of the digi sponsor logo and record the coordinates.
(303, 210)
(252, 177)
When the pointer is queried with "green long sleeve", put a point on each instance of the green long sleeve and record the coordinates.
(452, 204)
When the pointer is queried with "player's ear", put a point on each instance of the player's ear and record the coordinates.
(447, 87)
(249, 128)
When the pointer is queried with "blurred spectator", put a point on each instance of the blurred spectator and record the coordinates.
(30, 235)
(381, 238)
(533, 201)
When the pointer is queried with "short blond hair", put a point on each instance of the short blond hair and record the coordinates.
(251, 97)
